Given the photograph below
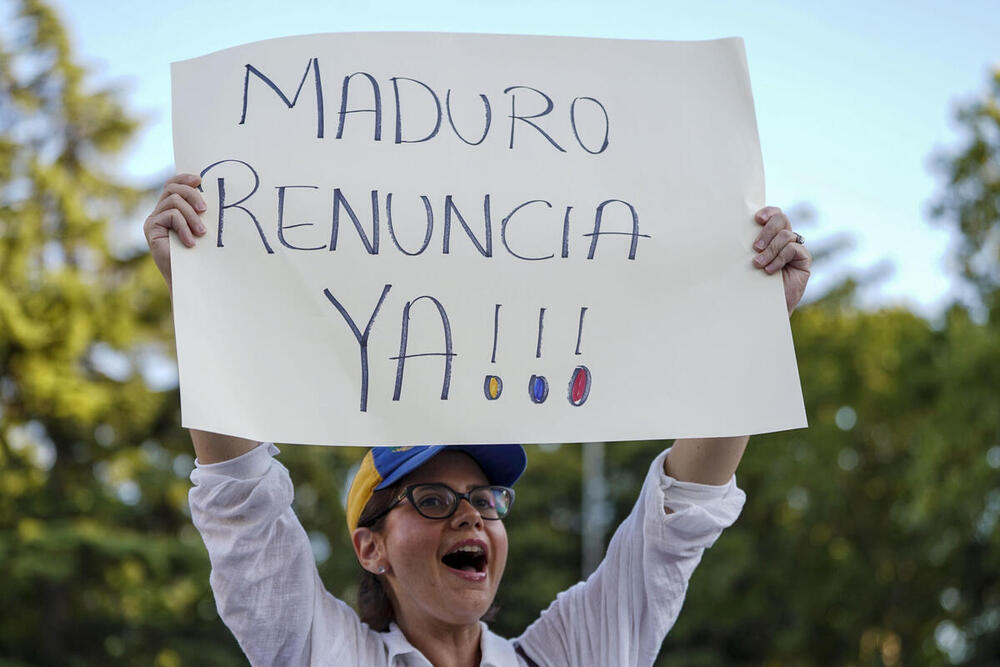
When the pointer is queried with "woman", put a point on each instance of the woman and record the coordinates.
(431, 562)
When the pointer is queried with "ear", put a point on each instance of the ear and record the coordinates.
(369, 548)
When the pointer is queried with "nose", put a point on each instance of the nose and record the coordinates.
(466, 515)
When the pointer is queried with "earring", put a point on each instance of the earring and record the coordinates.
(381, 569)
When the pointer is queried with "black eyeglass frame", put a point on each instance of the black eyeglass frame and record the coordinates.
(407, 494)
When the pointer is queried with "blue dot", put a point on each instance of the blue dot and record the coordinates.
(538, 388)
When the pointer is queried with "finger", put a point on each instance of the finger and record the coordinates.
(176, 201)
(780, 241)
(190, 195)
(802, 259)
(785, 255)
(764, 214)
(189, 180)
(158, 227)
(774, 220)
(193, 180)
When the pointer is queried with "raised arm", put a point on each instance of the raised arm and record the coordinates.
(215, 447)
(178, 211)
(264, 577)
(714, 460)
(705, 460)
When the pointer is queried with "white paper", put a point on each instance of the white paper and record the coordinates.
(680, 335)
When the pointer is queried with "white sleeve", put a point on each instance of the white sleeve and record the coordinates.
(622, 613)
(267, 588)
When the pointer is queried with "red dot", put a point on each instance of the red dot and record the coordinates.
(579, 386)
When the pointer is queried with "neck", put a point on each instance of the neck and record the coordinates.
(445, 645)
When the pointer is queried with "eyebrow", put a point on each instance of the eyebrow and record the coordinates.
(467, 488)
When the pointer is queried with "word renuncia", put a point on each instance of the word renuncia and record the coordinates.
(443, 209)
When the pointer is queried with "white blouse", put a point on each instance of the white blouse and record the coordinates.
(268, 590)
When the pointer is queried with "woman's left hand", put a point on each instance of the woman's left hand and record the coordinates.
(779, 248)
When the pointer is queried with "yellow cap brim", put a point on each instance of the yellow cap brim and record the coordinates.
(362, 489)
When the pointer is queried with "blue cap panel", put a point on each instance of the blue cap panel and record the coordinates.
(502, 464)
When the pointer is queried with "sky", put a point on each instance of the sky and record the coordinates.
(853, 99)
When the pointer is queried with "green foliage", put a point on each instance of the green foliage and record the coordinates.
(872, 537)
(875, 530)
(100, 562)
(971, 201)
(544, 534)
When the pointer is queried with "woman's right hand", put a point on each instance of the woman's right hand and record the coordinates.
(178, 209)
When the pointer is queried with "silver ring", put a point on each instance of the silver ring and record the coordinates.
(799, 239)
(381, 570)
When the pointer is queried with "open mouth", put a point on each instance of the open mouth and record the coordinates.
(466, 557)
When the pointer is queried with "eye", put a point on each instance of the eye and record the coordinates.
(501, 501)
(483, 501)
(431, 498)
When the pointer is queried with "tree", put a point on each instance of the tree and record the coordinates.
(99, 559)
(971, 202)
(872, 537)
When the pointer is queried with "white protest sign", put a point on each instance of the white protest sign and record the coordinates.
(443, 238)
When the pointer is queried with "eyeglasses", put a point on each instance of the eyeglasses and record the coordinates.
(439, 501)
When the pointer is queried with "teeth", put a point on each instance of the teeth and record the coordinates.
(469, 548)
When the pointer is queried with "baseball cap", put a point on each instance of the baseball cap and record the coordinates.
(384, 466)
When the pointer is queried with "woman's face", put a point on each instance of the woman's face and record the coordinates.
(423, 578)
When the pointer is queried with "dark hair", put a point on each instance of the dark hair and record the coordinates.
(374, 606)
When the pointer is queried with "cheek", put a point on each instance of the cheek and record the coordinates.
(410, 548)
(500, 547)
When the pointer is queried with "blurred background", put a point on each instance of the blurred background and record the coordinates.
(869, 539)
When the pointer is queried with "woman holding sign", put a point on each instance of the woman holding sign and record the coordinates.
(431, 563)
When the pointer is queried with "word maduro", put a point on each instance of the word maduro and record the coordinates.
(583, 111)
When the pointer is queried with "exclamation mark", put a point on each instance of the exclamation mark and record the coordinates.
(538, 386)
(579, 381)
(493, 385)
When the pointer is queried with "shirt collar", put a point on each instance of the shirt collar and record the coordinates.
(497, 651)
(397, 646)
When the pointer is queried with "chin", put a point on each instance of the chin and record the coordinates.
(471, 606)
(471, 615)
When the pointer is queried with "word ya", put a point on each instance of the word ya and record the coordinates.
(583, 111)
(538, 386)
(481, 239)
